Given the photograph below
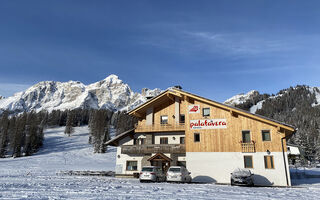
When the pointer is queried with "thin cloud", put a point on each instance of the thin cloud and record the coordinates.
(238, 43)
(258, 70)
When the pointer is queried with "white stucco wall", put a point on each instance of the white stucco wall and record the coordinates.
(217, 166)
(121, 162)
(170, 136)
(121, 159)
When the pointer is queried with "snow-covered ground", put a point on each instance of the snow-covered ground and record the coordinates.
(35, 177)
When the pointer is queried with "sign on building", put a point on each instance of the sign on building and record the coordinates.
(208, 124)
(194, 108)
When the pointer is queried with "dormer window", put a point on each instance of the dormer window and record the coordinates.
(164, 119)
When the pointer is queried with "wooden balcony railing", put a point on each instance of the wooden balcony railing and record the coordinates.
(160, 127)
(248, 147)
(153, 148)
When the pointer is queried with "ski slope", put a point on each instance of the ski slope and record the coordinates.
(61, 152)
(35, 177)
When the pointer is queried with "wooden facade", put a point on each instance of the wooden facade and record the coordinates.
(227, 139)
(174, 129)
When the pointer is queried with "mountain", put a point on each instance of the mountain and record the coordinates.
(250, 101)
(1, 97)
(254, 101)
(110, 93)
(298, 106)
(241, 98)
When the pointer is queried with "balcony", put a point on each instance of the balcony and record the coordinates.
(248, 147)
(153, 148)
(160, 128)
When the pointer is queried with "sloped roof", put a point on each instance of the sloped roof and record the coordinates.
(178, 92)
(113, 142)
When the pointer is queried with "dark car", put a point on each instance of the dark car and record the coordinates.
(242, 177)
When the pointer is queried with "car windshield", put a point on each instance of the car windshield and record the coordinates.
(241, 172)
(174, 169)
(147, 169)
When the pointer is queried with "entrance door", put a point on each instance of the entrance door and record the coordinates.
(160, 160)
(161, 163)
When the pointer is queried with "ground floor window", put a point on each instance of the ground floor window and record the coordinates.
(132, 165)
(181, 163)
(268, 162)
(248, 162)
(182, 140)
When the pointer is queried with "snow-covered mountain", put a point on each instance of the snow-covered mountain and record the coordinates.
(241, 98)
(316, 92)
(253, 100)
(109, 93)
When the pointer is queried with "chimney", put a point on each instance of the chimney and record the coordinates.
(178, 87)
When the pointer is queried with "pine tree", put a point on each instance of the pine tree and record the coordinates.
(4, 129)
(69, 124)
(19, 135)
(99, 130)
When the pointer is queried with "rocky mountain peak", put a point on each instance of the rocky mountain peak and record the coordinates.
(110, 93)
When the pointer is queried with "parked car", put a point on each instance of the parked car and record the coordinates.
(242, 177)
(151, 173)
(178, 174)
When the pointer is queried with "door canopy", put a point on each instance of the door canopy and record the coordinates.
(160, 157)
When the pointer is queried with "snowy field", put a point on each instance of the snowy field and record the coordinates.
(35, 177)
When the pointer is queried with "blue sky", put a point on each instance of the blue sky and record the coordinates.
(215, 49)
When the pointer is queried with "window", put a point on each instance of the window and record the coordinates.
(182, 119)
(248, 162)
(206, 112)
(164, 119)
(268, 162)
(266, 135)
(246, 137)
(182, 140)
(181, 163)
(142, 141)
(132, 165)
(196, 137)
(163, 140)
(135, 141)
